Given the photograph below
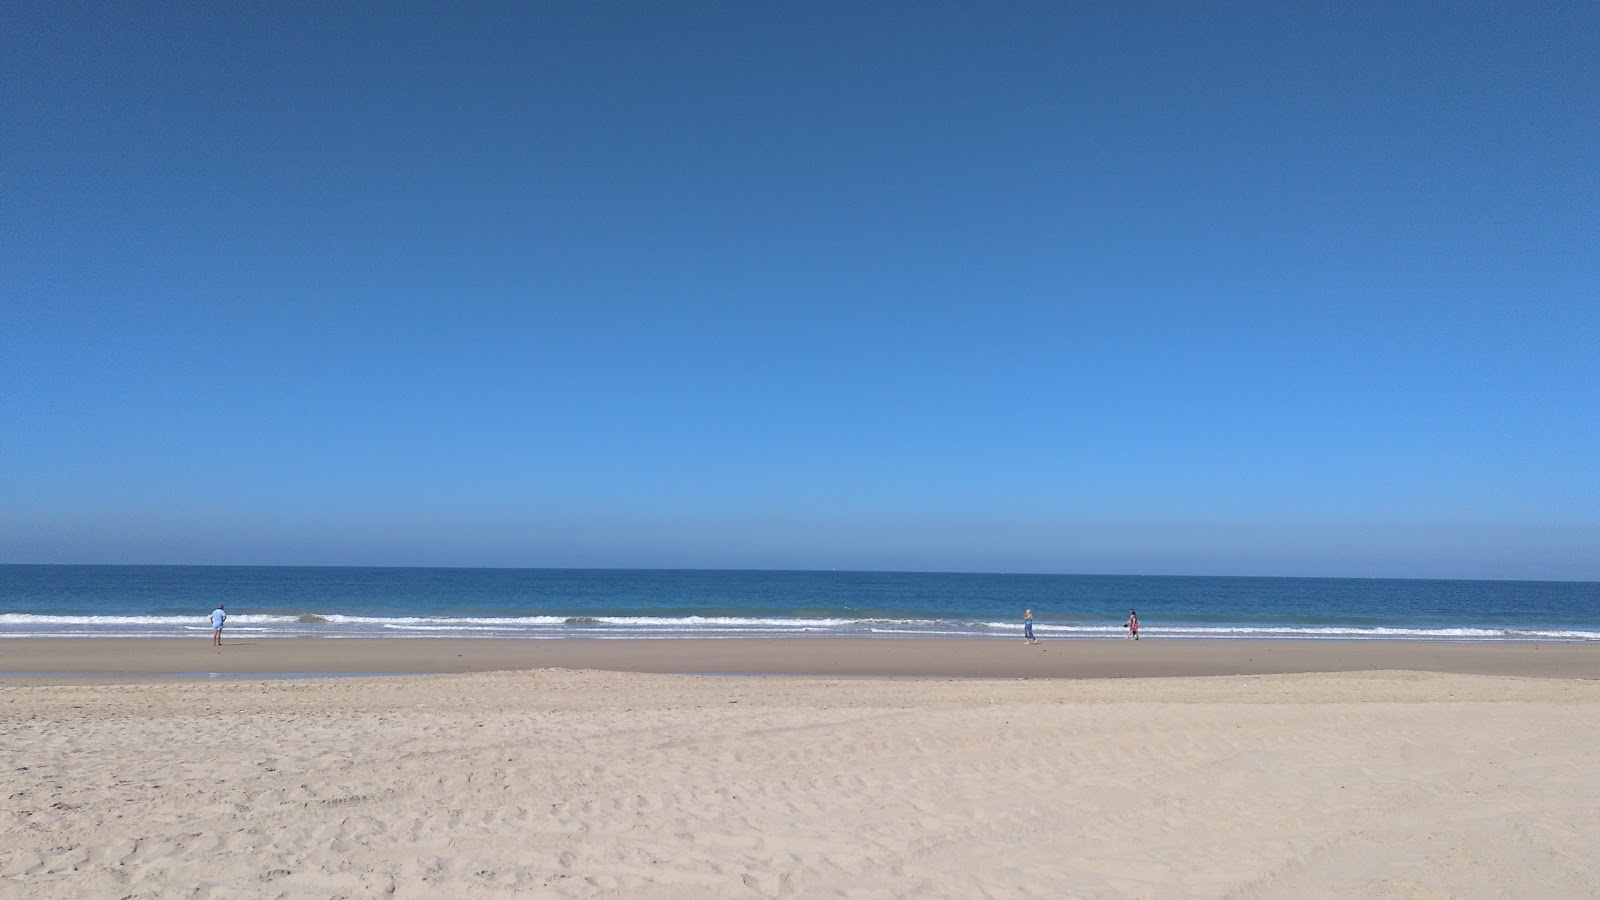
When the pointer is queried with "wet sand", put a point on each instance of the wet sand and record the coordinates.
(47, 659)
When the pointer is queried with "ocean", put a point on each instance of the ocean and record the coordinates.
(334, 602)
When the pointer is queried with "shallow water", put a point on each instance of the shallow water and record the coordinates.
(168, 601)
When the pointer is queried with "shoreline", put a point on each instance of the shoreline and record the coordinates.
(47, 660)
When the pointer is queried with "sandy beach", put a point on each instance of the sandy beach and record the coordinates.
(119, 659)
(1066, 770)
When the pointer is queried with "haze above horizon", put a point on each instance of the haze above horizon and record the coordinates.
(1142, 289)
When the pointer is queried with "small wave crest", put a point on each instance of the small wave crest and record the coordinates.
(590, 625)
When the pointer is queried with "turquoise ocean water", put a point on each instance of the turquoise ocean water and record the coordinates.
(169, 601)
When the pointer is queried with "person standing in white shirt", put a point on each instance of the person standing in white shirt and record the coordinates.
(217, 618)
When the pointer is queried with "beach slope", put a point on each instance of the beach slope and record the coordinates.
(51, 658)
(557, 783)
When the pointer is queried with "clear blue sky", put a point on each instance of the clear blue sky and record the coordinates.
(1251, 288)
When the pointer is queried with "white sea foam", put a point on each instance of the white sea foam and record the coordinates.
(31, 619)
(327, 624)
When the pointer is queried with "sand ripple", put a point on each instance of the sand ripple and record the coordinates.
(581, 784)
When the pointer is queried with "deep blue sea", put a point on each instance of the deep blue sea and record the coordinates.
(271, 601)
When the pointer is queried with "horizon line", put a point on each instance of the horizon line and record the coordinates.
(846, 571)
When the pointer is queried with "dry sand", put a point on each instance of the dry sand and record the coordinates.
(558, 782)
